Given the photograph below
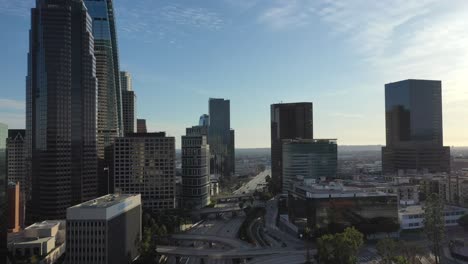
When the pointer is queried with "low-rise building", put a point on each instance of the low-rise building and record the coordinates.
(412, 217)
(45, 240)
(105, 230)
(334, 206)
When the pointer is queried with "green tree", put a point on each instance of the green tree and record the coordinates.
(434, 224)
(463, 222)
(400, 260)
(387, 249)
(341, 248)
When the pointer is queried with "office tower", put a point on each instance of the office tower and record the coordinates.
(204, 120)
(195, 168)
(288, 121)
(110, 114)
(128, 103)
(414, 134)
(105, 230)
(14, 209)
(219, 138)
(3, 194)
(145, 163)
(61, 108)
(308, 160)
(16, 158)
(141, 126)
(126, 81)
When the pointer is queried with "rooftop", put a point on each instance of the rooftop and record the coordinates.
(139, 135)
(104, 201)
(418, 209)
(44, 224)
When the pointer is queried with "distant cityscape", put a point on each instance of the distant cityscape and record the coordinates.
(86, 181)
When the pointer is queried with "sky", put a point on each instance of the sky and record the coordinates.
(338, 54)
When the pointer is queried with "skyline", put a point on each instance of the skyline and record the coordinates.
(256, 53)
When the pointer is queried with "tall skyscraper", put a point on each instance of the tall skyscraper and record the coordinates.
(145, 163)
(288, 121)
(61, 108)
(141, 126)
(128, 103)
(3, 194)
(308, 159)
(414, 134)
(195, 168)
(110, 114)
(220, 137)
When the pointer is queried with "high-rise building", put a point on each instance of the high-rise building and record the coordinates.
(14, 207)
(61, 108)
(220, 137)
(105, 230)
(109, 97)
(128, 103)
(145, 163)
(3, 194)
(414, 134)
(308, 160)
(204, 120)
(16, 158)
(141, 126)
(288, 121)
(195, 168)
(126, 81)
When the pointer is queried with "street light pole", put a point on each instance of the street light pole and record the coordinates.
(108, 183)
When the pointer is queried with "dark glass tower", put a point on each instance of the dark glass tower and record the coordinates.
(288, 121)
(110, 113)
(61, 108)
(414, 134)
(220, 137)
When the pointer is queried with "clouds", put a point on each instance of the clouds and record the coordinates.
(148, 20)
(10, 104)
(286, 14)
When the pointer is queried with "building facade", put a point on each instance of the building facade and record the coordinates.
(333, 208)
(141, 126)
(126, 81)
(195, 169)
(309, 159)
(288, 121)
(3, 194)
(128, 103)
(414, 134)
(204, 120)
(61, 108)
(220, 137)
(16, 158)
(106, 230)
(145, 163)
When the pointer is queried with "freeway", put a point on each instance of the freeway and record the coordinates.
(231, 242)
(218, 210)
(224, 254)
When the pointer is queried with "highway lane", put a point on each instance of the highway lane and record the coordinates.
(225, 254)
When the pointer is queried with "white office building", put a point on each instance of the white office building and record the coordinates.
(105, 230)
(412, 217)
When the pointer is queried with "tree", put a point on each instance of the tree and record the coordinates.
(387, 249)
(463, 222)
(434, 224)
(341, 248)
(401, 260)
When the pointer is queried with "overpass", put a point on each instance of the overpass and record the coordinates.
(218, 210)
(231, 242)
(233, 198)
(225, 254)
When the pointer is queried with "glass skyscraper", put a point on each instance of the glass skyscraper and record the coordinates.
(221, 137)
(288, 121)
(110, 117)
(414, 134)
(61, 108)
